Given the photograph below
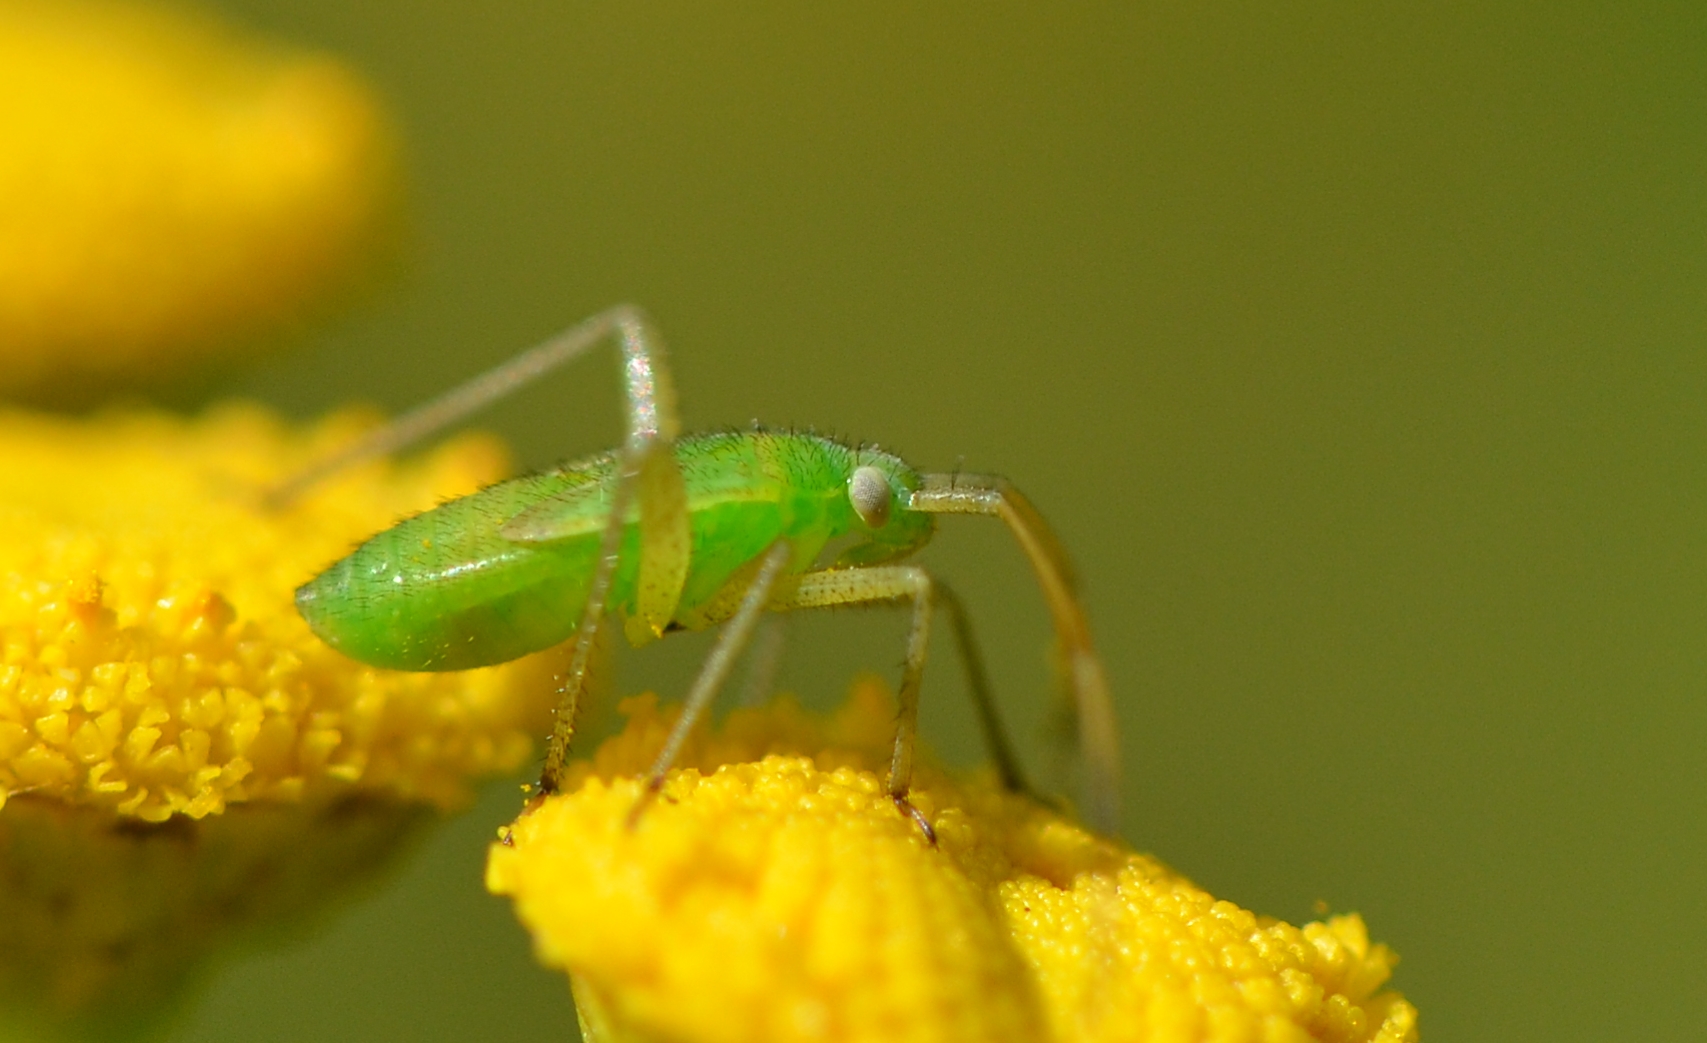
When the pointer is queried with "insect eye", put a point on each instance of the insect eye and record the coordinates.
(868, 491)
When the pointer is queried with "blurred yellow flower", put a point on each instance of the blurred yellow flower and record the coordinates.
(774, 893)
(179, 757)
(168, 188)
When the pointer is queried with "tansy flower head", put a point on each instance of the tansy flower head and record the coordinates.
(775, 893)
(169, 188)
(179, 756)
(153, 662)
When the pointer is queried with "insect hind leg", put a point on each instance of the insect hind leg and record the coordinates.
(650, 379)
(646, 470)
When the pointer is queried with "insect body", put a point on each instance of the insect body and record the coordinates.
(671, 532)
(447, 590)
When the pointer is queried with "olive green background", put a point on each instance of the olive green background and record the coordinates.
(1356, 350)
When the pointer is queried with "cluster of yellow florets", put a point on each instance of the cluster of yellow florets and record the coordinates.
(774, 892)
(151, 658)
(168, 185)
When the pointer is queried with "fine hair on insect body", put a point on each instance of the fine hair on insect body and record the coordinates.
(670, 532)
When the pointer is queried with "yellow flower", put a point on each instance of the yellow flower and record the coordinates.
(168, 187)
(180, 758)
(152, 661)
(774, 893)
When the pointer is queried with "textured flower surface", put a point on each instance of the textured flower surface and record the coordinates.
(151, 656)
(181, 760)
(152, 662)
(775, 893)
(168, 188)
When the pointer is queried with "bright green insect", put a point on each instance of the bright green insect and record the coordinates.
(671, 532)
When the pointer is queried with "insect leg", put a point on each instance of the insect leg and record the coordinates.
(646, 470)
(899, 583)
(983, 699)
(715, 671)
(587, 637)
(764, 659)
(644, 375)
(1096, 722)
(877, 584)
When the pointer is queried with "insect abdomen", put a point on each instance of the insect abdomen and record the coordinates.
(444, 591)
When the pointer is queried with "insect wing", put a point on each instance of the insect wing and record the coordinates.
(572, 513)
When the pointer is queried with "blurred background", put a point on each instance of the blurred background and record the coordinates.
(1354, 349)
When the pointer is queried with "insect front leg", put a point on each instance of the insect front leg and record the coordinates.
(874, 585)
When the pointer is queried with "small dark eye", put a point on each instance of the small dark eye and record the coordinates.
(868, 491)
